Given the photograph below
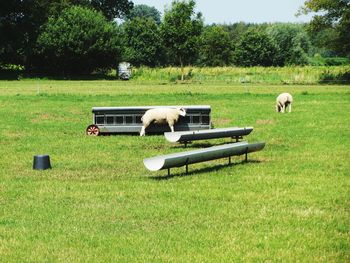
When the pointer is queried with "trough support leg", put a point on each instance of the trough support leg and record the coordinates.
(246, 155)
(237, 140)
(185, 144)
(168, 171)
(229, 160)
(187, 166)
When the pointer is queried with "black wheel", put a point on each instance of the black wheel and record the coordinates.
(92, 130)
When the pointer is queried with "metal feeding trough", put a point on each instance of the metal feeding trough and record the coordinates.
(216, 152)
(188, 136)
(118, 120)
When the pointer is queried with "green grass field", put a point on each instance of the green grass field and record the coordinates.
(289, 203)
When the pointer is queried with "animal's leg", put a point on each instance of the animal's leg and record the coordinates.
(290, 107)
(279, 107)
(283, 108)
(171, 125)
(142, 133)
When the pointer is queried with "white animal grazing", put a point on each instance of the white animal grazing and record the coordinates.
(283, 101)
(161, 115)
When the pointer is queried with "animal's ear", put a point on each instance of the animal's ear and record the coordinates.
(182, 112)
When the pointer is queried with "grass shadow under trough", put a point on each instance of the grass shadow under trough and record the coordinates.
(201, 145)
(200, 171)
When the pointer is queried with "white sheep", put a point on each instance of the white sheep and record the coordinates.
(283, 101)
(161, 115)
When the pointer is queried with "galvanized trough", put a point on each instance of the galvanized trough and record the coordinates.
(216, 152)
(188, 136)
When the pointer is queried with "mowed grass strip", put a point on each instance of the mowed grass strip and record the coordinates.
(290, 202)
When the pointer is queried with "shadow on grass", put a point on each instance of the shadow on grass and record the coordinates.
(199, 171)
(72, 77)
(201, 145)
(17, 75)
(192, 145)
(332, 78)
(10, 74)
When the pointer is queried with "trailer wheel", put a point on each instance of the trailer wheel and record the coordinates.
(92, 130)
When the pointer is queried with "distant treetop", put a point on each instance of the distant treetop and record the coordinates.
(144, 11)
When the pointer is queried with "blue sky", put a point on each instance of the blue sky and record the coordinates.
(231, 11)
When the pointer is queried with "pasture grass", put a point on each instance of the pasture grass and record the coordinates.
(289, 203)
(237, 75)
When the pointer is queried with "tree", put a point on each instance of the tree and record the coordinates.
(293, 43)
(142, 44)
(20, 22)
(332, 16)
(255, 48)
(111, 9)
(235, 30)
(78, 41)
(19, 27)
(181, 29)
(216, 48)
(144, 11)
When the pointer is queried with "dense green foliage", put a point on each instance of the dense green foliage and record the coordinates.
(179, 38)
(144, 11)
(289, 203)
(181, 30)
(19, 26)
(293, 44)
(78, 41)
(318, 60)
(255, 49)
(142, 44)
(110, 8)
(216, 47)
(331, 22)
(20, 23)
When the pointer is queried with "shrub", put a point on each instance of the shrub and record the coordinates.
(335, 78)
(78, 41)
(11, 71)
(318, 60)
(254, 49)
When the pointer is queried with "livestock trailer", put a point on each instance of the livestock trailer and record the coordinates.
(128, 120)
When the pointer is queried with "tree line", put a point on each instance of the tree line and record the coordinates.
(70, 37)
